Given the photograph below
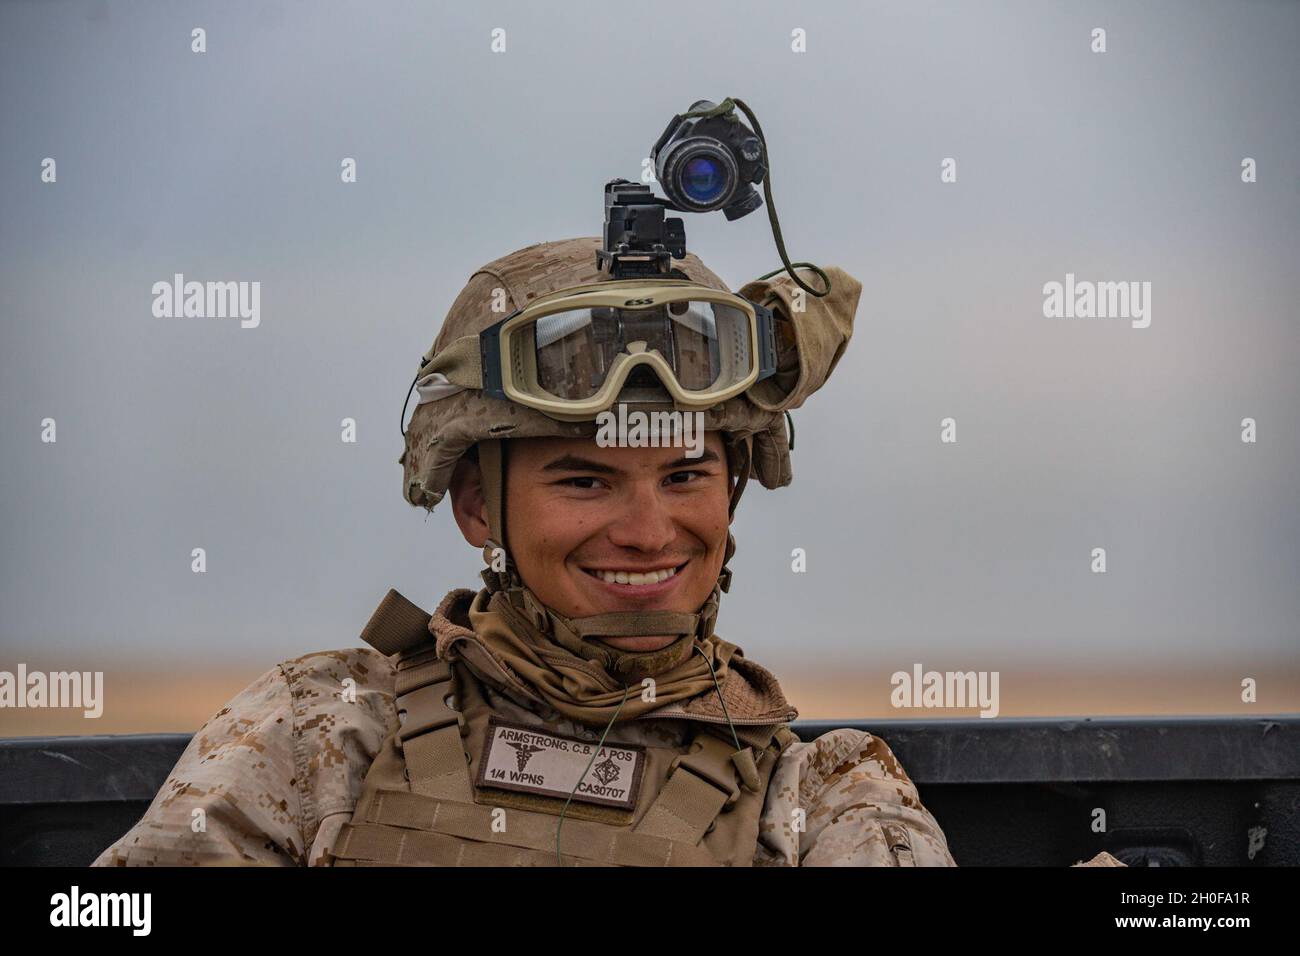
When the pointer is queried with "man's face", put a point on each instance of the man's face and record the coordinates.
(594, 530)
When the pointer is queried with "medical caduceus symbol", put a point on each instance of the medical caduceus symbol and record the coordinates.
(522, 754)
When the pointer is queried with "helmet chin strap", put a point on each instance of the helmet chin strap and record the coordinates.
(580, 635)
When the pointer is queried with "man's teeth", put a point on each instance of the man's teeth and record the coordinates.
(635, 577)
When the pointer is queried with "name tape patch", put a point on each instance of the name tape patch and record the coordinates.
(530, 760)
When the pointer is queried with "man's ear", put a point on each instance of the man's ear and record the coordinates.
(468, 503)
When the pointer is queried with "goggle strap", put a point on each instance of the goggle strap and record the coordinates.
(461, 363)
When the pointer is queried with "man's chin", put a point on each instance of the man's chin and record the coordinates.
(639, 642)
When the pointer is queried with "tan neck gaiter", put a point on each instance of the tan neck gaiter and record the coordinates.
(581, 689)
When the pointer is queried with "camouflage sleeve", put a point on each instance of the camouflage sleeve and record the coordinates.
(343, 710)
(231, 798)
(844, 800)
(272, 778)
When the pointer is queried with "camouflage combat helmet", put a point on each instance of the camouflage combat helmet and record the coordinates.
(450, 419)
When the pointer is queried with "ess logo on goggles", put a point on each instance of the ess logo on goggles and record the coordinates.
(569, 354)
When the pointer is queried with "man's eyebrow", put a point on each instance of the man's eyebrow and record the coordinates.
(686, 461)
(575, 463)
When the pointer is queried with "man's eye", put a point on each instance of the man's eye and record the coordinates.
(682, 477)
(581, 481)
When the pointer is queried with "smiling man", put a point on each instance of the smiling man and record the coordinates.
(579, 709)
(611, 529)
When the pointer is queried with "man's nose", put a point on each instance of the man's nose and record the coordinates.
(645, 521)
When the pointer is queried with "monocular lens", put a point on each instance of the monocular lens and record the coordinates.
(703, 179)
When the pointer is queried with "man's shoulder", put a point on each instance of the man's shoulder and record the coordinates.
(283, 756)
(351, 668)
(339, 690)
(317, 696)
(842, 751)
(341, 706)
(857, 805)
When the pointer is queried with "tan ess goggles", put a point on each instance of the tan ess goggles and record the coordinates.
(569, 354)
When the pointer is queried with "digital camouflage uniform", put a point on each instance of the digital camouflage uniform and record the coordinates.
(305, 766)
(275, 775)
(278, 770)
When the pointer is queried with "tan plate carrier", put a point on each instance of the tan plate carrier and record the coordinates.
(698, 803)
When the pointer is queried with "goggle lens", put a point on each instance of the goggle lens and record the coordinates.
(705, 344)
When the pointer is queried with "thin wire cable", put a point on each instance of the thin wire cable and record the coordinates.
(726, 106)
(559, 860)
(718, 690)
(408, 400)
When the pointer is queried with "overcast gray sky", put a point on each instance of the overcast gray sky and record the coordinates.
(1072, 434)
